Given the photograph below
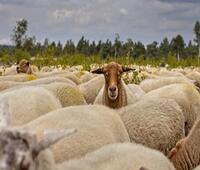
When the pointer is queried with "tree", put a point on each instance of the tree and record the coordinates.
(29, 43)
(178, 45)
(138, 50)
(19, 32)
(197, 39)
(191, 50)
(69, 47)
(117, 46)
(46, 43)
(152, 50)
(164, 48)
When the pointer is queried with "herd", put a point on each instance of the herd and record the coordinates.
(70, 119)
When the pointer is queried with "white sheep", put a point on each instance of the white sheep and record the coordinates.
(91, 89)
(86, 76)
(136, 90)
(115, 93)
(186, 154)
(157, 123)
(96, 125)
(10, 84)
(20, 150)
(125, 156)
(197, 168)
(67, 94)
(18, 77)
(152, 84)
(28, 103)
(187, 98)
(61, 73)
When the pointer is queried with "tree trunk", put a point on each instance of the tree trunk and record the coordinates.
(178, 57)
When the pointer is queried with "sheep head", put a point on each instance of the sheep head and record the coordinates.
(24, 67)
(19, 150)
(112, 73)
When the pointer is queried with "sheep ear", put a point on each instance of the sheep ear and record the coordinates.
(197, 85)
(51, 137)
(126, 69)
(98, 71)
(4, 113)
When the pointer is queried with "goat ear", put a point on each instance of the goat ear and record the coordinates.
(4, 113)
(51, 137)
(126, 69)
(98, 71)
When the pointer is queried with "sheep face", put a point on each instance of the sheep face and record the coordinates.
(19, 150)
(112, 73)
(24, 67)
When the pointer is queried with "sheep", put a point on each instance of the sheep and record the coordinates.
(167, 73)
(67, 94)
(124, 156)
(61, 73)
(136, 90)
(186, 154)
(28, 103)
(91, 88)
(10, 84)
(194, 76)
(197, 168)
(151, 84)
(86, 76)
(157, 123)
(185, 95)
(24, 67)
(97, 125)
(115, 93)
(10, 71)
(18, 77)
(21, 150)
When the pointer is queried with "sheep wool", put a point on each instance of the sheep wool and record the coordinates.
(67, 94)
(151, 84)
(96, 126)
(125, 156)
(28, 103)
(91, 88)
(157, 123)
(187, 98)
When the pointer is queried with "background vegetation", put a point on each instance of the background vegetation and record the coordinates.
(173, 52)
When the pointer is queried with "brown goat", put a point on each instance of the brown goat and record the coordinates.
(114, 91)
(186, 154)
(24, 67)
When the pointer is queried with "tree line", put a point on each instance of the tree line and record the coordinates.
(104, 49)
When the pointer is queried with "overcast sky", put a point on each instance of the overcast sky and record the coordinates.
(141, 20)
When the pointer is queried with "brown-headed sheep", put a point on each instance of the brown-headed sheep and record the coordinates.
(114, 93)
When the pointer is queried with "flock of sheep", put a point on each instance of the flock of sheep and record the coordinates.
(71, 119)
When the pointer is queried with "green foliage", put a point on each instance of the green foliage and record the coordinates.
(19, 32)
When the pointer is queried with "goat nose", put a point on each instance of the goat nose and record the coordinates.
(112, 88)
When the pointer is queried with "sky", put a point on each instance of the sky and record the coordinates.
(140, 20)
